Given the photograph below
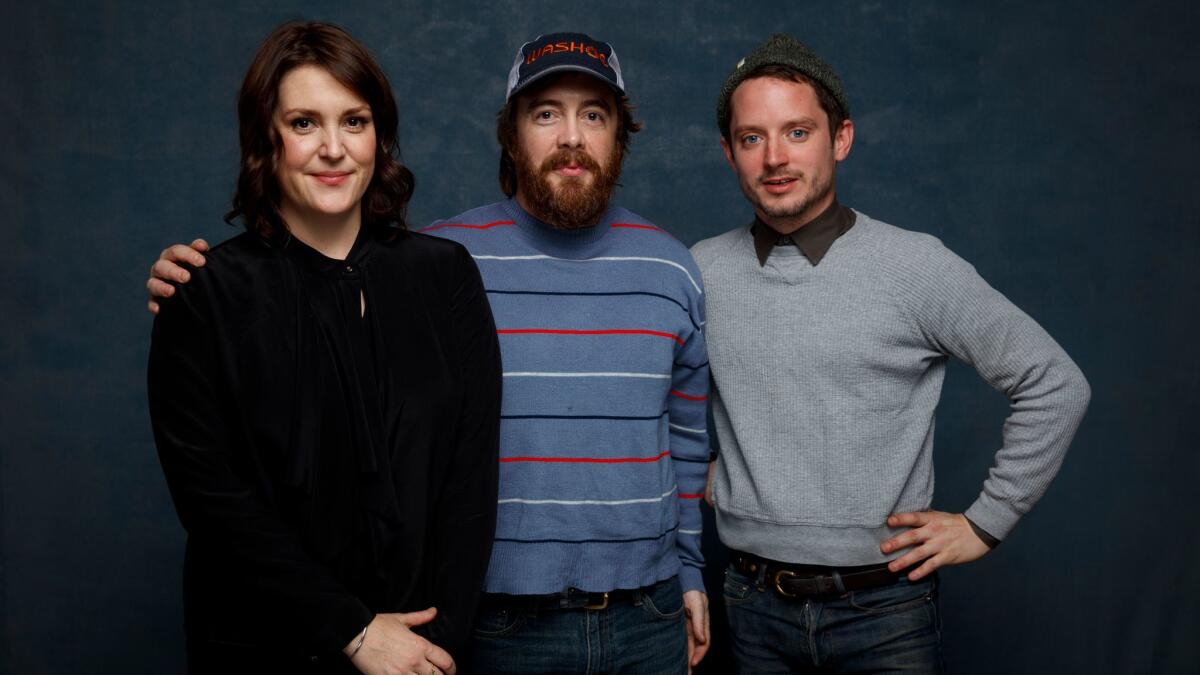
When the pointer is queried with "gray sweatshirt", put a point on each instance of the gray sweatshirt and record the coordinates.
(827, 378)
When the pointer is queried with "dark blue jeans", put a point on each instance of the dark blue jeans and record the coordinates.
(890, 629)
(643, 636)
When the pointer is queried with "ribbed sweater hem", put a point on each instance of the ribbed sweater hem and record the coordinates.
(805, 544)
(518, 569)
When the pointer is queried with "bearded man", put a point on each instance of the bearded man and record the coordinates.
(596, 565)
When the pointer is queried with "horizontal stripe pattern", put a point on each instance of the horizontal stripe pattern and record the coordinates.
(607, 258)
(596, 454)
(602, 331)
(615, 540)
(648, 376)
(467, 226)
(587, 502)
(587, 460)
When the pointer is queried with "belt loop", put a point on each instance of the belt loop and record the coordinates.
(837, 582)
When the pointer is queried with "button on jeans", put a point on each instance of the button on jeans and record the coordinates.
(889, 629)
(643, 636)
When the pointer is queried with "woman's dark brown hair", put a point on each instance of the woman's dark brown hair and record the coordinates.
(331, 48)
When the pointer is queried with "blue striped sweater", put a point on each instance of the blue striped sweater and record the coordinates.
(603, 446)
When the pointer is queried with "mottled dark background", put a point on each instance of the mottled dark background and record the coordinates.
(1050, 143)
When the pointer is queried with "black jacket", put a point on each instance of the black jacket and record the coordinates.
(327, 465)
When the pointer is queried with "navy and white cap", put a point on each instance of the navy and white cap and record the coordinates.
(564, 52)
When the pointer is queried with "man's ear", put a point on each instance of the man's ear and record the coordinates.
(728, 153)
(842, 140)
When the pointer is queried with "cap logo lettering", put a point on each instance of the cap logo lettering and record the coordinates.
(568, 46)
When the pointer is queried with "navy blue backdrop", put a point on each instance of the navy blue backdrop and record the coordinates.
(1053, 144)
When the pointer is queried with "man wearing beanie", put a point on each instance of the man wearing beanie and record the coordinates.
(596, 565)
(828, 334)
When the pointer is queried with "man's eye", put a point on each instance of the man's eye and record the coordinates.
(594, 117)
(750, 139)
(545, 115)
(799, 134)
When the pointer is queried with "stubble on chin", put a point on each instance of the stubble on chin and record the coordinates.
(783, 211)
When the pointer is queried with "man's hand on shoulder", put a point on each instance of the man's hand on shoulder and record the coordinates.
(167, 269)
(937, 537)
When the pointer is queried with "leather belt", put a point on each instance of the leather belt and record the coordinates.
(572, 598)
(796, 582)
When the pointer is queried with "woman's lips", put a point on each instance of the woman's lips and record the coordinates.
(332, 177)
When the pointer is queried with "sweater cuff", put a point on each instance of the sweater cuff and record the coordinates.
(992, 516)
(344, 624)
(983, 535)
(691, 578)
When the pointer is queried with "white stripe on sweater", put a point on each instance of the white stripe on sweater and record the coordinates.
(588, 502)
(683, 428)
(612, 258)
(653, 376)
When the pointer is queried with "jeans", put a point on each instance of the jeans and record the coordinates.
(888, 629)
(645, 635)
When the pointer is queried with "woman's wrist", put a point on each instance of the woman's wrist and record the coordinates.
(351, 649)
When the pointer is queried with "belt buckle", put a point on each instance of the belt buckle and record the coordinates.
(603, 604)
(778, 579)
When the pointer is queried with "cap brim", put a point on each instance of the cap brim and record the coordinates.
(563, 68)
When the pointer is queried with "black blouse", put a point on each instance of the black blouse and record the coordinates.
(327, 464)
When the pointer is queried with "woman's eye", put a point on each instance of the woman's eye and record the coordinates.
(356, 122)
(302, 124)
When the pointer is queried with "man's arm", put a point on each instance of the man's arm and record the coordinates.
(166, 270)
(687, 407)
(961, 315)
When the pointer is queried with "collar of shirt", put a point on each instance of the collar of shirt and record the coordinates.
(813, 238)
(318, 263)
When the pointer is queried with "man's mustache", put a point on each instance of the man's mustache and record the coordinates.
(563, 158)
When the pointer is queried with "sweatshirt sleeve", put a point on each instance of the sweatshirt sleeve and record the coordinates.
(960, 315)
(687, 406)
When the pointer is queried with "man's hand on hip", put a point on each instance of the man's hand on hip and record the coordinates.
(936, 537)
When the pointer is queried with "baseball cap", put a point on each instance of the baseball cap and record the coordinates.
(564, 52)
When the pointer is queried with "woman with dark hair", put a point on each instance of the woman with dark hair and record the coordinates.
(325, 393)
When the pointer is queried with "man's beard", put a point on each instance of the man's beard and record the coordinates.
(820, 186)
(573, 205)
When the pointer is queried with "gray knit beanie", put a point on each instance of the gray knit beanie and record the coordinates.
(783, 50)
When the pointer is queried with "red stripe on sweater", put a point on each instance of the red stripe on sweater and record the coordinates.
(564, 331)
(689, 397)
(688, 495)
(588, 460)
(467, 226)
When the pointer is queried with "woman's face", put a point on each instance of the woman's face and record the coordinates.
(328, 139)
